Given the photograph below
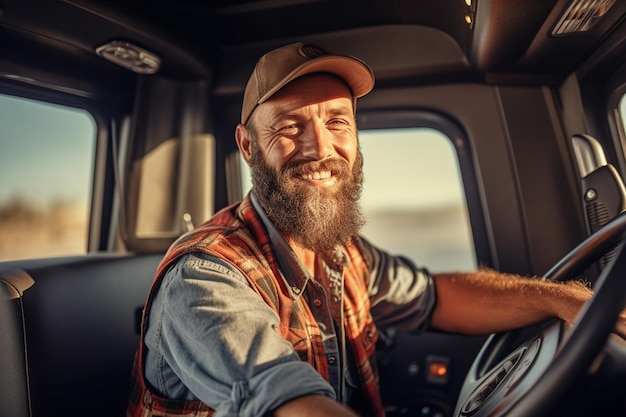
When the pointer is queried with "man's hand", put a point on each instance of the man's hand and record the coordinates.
(313, 406)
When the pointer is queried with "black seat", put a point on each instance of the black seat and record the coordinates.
(69, 333)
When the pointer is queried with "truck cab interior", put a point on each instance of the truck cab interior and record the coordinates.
(494, 137)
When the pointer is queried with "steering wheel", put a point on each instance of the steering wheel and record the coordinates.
(534, 377)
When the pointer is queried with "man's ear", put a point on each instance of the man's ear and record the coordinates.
(242, 136)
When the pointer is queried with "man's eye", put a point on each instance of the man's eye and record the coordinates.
(338, 123)
(290, 129)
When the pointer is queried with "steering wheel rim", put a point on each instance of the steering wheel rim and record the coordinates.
(583, 341)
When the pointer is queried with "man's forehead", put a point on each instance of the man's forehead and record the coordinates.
(325, 93)
(331, 107)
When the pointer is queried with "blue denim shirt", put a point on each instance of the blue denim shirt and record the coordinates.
(212, 338)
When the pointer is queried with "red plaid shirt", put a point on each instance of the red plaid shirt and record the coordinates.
(237, 235)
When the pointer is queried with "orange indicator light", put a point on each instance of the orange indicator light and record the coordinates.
(437, 369)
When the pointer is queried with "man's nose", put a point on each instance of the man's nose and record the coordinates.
(317, 143)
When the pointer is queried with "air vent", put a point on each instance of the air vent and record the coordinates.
(581, 15)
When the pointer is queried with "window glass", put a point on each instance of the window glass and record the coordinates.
(413, 197)
(46, 166)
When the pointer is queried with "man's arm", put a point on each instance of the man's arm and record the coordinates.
(487, 301)
(211, 336)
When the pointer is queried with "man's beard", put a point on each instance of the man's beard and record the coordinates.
(316, 218)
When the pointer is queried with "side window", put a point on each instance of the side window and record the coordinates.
(46, 166)
(413, 197)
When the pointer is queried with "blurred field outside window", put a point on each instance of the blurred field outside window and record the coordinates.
(46, 166)
(413, 197)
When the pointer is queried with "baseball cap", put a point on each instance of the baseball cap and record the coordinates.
(280, 66)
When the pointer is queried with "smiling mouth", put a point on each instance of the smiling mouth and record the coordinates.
(317, 175)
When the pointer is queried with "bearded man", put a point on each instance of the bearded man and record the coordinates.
(272, 306)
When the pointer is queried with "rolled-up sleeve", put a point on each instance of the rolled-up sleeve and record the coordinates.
(402, 295)
(212, 338)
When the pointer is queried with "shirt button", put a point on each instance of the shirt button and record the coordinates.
(317, 303)
(331, 359)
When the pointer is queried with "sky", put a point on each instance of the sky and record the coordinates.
(408, 169)
(46, 151)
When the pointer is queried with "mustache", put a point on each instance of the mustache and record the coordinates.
(335, 165)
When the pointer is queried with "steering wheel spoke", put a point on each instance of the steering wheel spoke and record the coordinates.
(494, 391)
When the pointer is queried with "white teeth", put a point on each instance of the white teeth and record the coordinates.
(317, 175)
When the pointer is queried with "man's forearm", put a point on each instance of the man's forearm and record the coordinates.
(486, 301)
